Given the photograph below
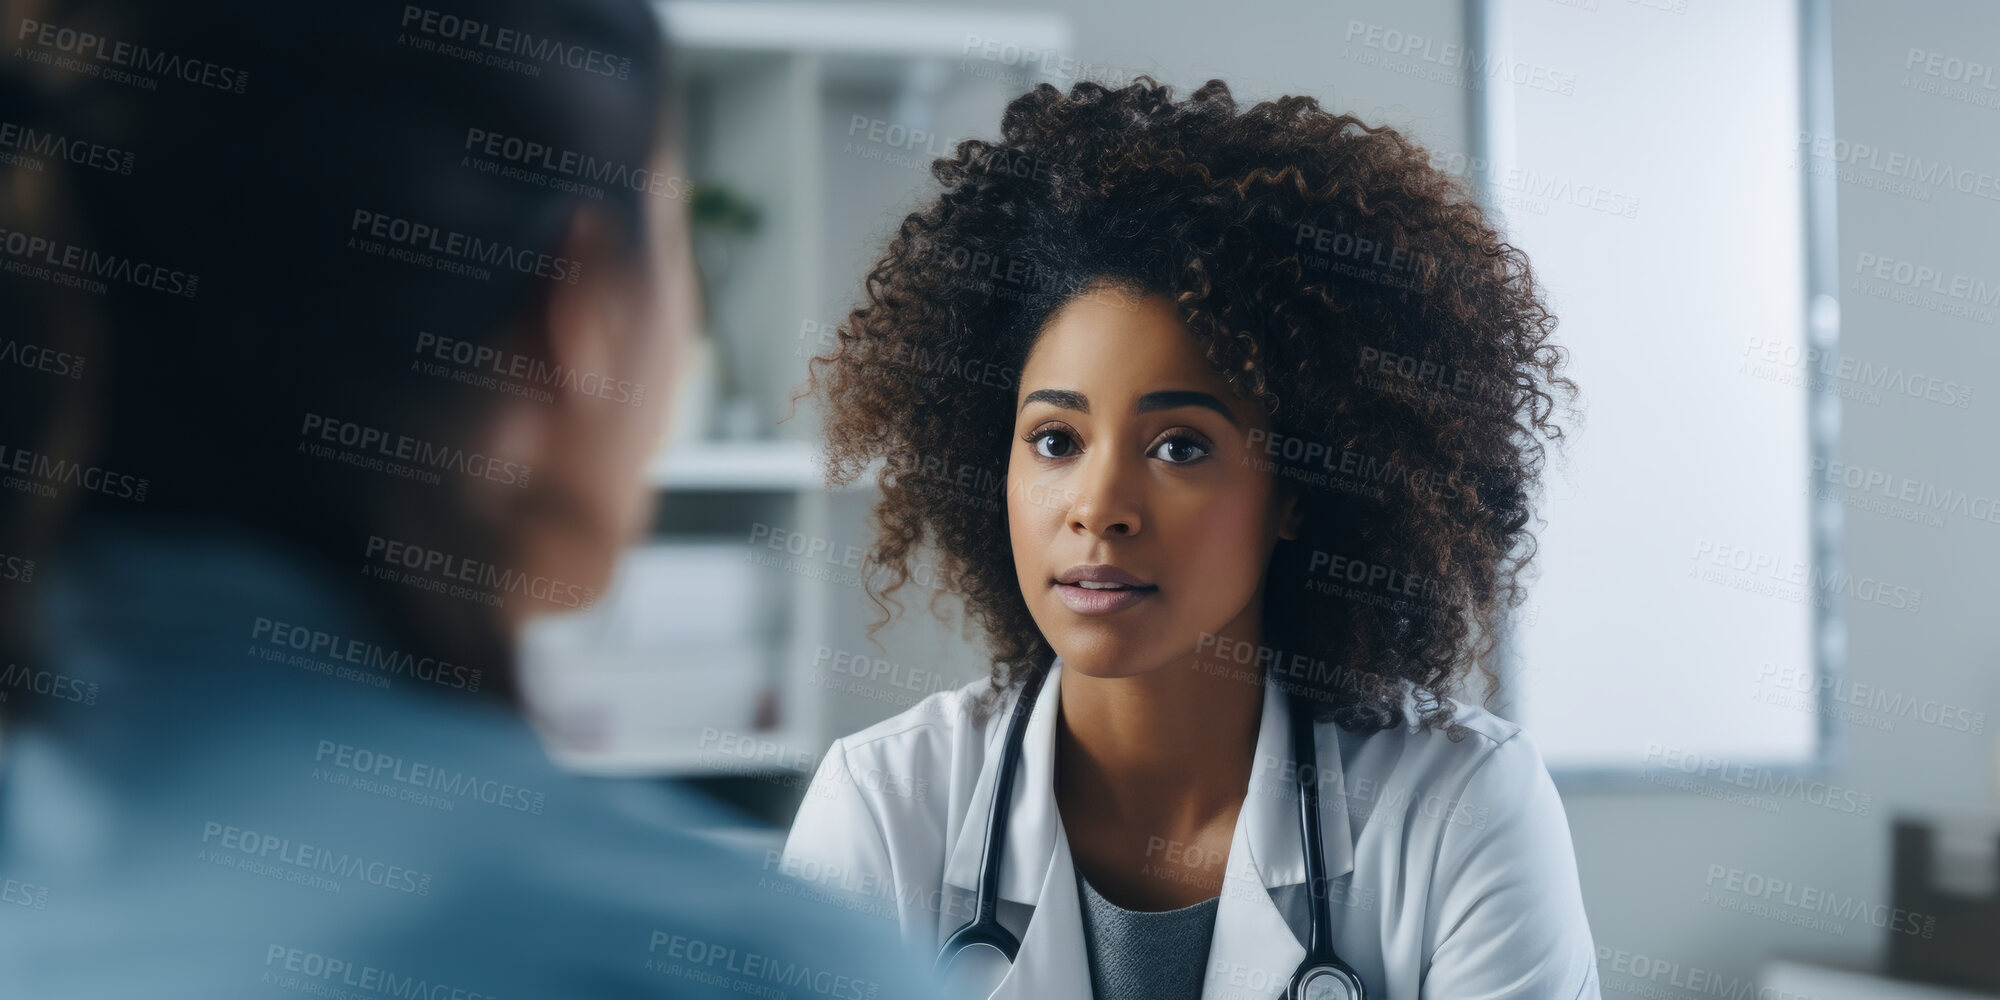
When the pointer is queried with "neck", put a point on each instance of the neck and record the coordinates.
(1166, 748)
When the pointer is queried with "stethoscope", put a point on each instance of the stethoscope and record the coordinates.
(1321, 976)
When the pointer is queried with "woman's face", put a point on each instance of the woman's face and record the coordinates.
(1131, 456)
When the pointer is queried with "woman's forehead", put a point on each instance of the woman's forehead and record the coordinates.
(1120, 355)
(1100, 342)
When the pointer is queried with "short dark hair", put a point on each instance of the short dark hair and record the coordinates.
(255, 150)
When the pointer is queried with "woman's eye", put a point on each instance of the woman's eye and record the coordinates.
(1063, 443)
(1181, 450)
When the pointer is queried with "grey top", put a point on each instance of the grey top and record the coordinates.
(1145, 955)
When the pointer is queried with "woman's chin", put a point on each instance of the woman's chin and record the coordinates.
(1107, 663)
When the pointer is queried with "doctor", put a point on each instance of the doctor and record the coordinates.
(1181, 799)
(1155, 800)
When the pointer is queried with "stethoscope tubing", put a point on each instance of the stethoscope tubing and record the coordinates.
(1321, 963)
(985, 927)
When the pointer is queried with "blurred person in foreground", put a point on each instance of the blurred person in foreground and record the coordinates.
(337, 339)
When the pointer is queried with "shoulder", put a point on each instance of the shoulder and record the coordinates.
(910, 775)
(1473, 818)
(1475, 739)
(1474, 838)
(973, 705)
(584, 879)
(1462, 775)
(887, 802)
(930, 740)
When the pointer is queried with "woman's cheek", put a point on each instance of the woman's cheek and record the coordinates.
(1028, 522)
(1224, 542)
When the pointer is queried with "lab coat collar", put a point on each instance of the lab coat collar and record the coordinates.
(1270, 815)
(1253, 951)
(1033, 827)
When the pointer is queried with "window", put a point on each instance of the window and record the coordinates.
(1652, 157)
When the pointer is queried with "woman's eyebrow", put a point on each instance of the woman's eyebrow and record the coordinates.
(1061, 398)
(1171, 398)
(1165, 399)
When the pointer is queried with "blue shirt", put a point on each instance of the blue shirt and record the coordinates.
(198, 808)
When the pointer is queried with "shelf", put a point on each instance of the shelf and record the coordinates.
(690, 761)
(742, 466)
(746, 467)
(877, 30)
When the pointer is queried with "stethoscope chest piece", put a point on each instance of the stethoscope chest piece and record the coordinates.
(975, 969)
(1325, 982)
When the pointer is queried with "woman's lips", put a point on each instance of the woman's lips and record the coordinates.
(1085, 601)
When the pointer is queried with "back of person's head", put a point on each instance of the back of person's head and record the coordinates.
(340, 276)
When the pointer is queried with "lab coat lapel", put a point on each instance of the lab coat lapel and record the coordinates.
(1254, 950)
(1033, 829)
(1052, 961)
(1037, 869)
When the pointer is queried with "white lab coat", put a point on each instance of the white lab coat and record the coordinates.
(1452, 874)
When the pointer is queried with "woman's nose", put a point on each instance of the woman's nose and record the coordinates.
(1106, 500)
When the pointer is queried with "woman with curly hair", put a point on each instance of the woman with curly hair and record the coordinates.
(1224, 426)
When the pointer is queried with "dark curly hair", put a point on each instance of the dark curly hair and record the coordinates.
(1398, 344)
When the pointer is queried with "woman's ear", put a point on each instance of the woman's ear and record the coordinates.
(1291, 515)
